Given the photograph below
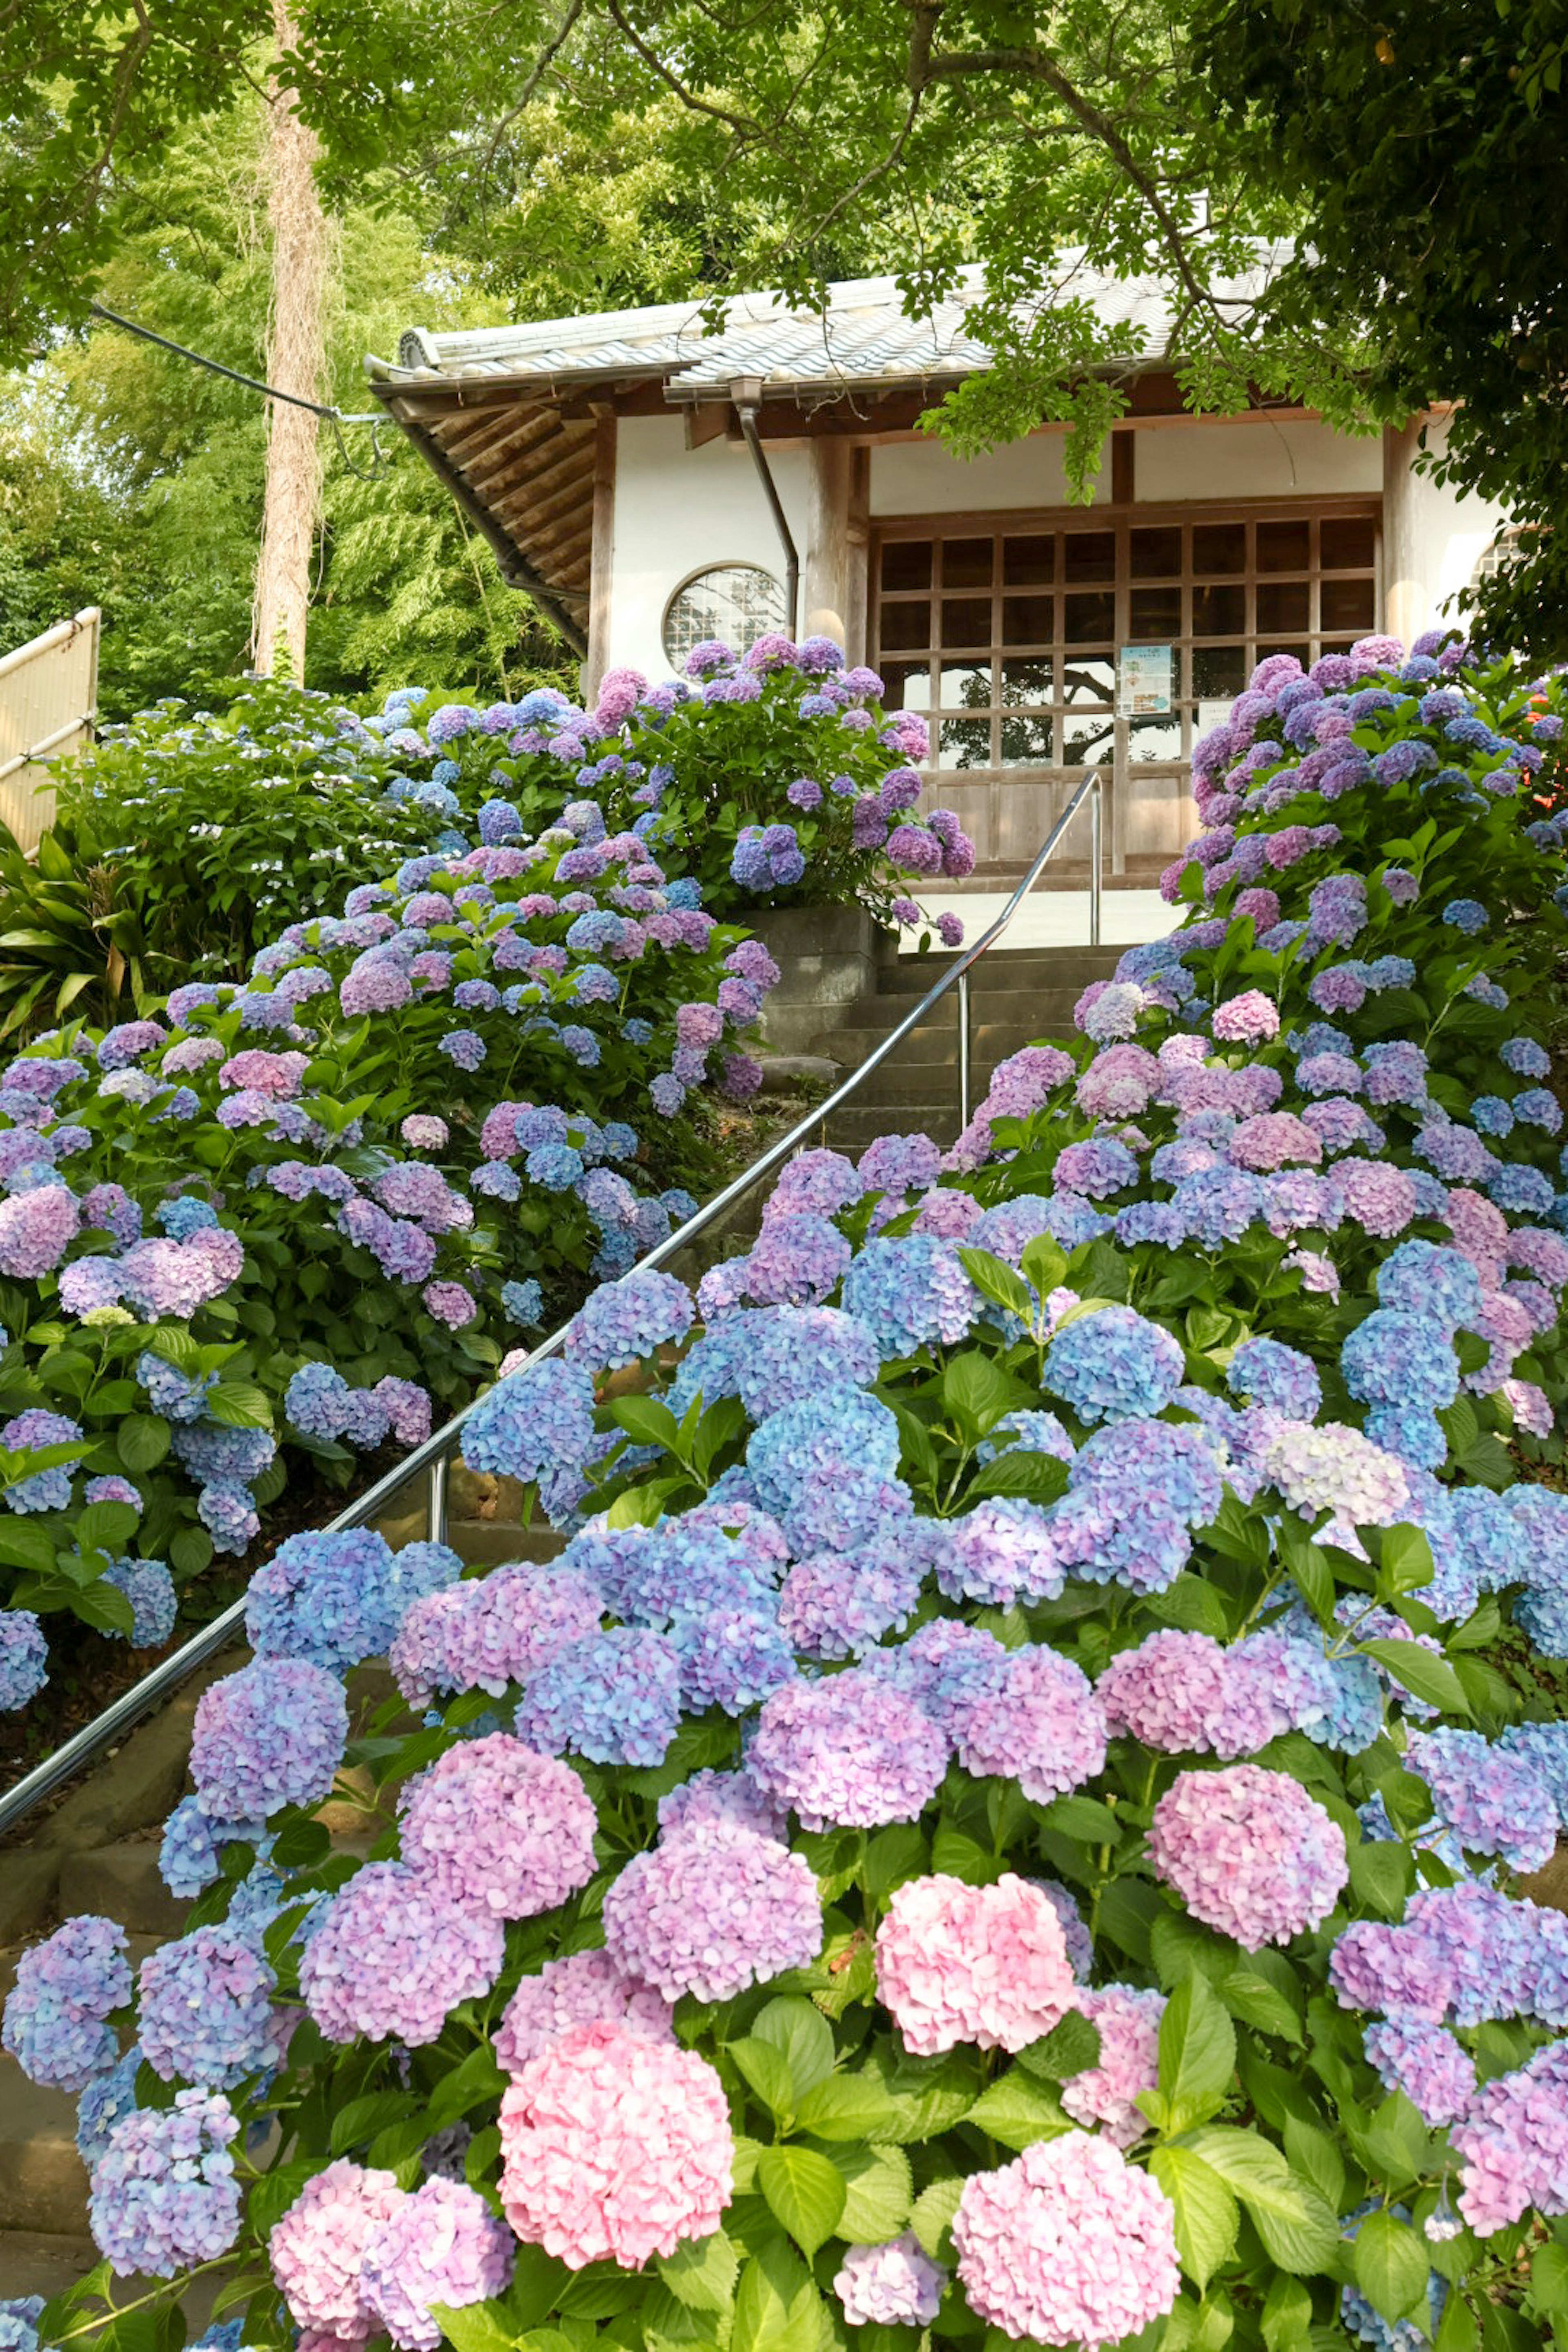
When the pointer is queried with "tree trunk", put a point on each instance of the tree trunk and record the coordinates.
(296, 356)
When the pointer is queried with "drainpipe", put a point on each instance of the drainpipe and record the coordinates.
(746, 391)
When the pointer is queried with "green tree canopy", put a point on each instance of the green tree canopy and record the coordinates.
(561, 152)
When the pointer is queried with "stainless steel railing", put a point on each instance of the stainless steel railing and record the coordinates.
(431, 1459)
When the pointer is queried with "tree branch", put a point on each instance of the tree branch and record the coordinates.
(546, 58)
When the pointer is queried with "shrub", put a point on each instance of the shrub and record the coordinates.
(1054, 1821)
(773, 777)
(300, 1208)
(185, 841)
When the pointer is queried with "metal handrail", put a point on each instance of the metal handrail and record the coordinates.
(433, 1454)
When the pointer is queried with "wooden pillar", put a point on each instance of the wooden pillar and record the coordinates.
(857, 600)
(296, 362)
(602, 558)
(827, 568)
(1404, 592)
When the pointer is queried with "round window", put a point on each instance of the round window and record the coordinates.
(1500, 556)
(734, 601)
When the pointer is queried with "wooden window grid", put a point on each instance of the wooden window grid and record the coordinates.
(1005, 629)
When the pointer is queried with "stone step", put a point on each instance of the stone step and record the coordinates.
(43, 2180)
(937, 1040)
(1033, 1014)
(41, 2261)
(1002, 968)
(123, 1882)
(858, 1124)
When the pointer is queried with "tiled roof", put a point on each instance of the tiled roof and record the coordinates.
(864, 338)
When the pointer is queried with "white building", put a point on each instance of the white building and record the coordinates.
(625, 466)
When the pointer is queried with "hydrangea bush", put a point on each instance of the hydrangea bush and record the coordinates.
(773, 776)
(184, 839)
(1000, 1823)
(299, 1209)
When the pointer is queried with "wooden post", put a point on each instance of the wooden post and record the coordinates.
(296, 361)
(602, 557)
(1404, 612)
(858, 598)
(827, 539)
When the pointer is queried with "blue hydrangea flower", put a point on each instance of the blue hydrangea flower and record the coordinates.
(613, 1698)
(536, 1422)
(1114, 1364)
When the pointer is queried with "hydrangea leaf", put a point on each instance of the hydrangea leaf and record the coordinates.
(1017, 2112)
(1206, 2215)
(931, 2216)
(805, 2190)
(846, 2107)
(1295, 2224)
(803, 2036)
(1197, 2053)
(703, 2272)
(880, 2188)
(1424, 1676)
(1390, 2266)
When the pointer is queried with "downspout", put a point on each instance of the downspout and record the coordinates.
(746, 393)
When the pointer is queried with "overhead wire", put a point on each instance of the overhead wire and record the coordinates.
(336, 417)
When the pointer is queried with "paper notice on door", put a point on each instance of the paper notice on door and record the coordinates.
(1144, 678)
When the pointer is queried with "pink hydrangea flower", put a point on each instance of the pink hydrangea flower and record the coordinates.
(584, 1988)
(1039, 1723)
(392, 1959)
(1069, 2244)
(982, 1964)
(1246, 1020)
(316, 2249)
(615, 2148)
(495, 1827)
(1250, 1853)
(713, 1909)
(440, 2245)
(1129, 2024)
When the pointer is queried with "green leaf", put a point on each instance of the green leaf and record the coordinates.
(361, 2119)
(1423, 1675)
(1017, 2111)
(977, 1393)
(104, 1607)
(927, 2095)
(804, 2037)
(1194, 1606)
(1287, 2315)
(1313, 2155)
(880, 2191)
(996, 1280)
(474, 2326)
(777, 2308)
(1039, 1477)
(844, 2107)
(239, 1406)
(142, 1440)
(105, 1526)
(1404, 1561)
(1083, 1818)
(1297, 2227)
(805, 2191)
(1043, 1265)
(930, 2217)
(1206, 2216)
(766, 2069)
(477, 2082)
(1257, 2002)
(1390, 2266)
(702, 2272)
(648, 1421)
(1382, 1876)
(1071, 2045)
(300, 1845)
(29, 1547)
(1197, 2053)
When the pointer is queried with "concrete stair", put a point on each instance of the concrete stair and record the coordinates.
(1018, 996)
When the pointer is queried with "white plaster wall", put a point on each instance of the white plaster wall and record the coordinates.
(1260, 459)
(678, 510)
(1442, 535)
(921, 477)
